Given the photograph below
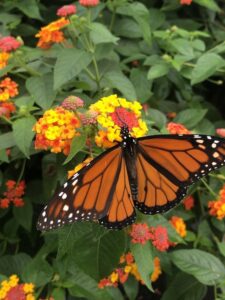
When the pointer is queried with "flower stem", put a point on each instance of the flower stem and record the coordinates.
(209, 188)
(96, 72)
(6, 120)
(112, 19)
(22, 171)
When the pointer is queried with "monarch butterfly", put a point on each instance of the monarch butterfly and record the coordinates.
(151, 173)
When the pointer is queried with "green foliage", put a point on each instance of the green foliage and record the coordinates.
(170, 58)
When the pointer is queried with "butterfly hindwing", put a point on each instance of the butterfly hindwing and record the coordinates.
(156, 193)
(168, 164)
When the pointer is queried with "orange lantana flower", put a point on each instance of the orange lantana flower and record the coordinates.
(8, 89)
(51, 33)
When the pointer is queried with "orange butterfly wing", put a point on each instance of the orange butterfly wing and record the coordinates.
(91, 194)
(168, 164)
(121, 211)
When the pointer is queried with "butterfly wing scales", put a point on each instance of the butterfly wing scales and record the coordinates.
(87, 195)
(168, 164)
(121, 212)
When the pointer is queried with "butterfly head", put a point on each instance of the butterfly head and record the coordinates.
(127, 139)
(124, 132)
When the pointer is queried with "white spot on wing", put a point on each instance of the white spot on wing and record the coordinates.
(64, 196)
(65, 207)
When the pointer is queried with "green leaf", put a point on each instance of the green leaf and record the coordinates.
(98, 256)
(38, 272)
(7, 140)
(189, 288)
(140, 13)
(141, 84)
(59, 294)
(100, 34)
(207, 65)
(92, 248)
(85, 286)
(127, 28)
(210, 4)
(144, 260)
(3, 156)
(116, 79)
(190, 117)
(23, 215)
(131, 287)
(158, 70)
(14, 264)
(77, 144)
(205, 267)
(183, 46)
(41, 89)
(69, 63)
(23, 134)
(29, 8)
(157, 117)
(221, 246)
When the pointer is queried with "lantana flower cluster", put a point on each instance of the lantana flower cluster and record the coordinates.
(141, 233)
(58, 126)
(56, 129)
(217, 207)
(13, 194)
(66, 10)
(186, 2)
(8, 90)
(7, 45)
(52, 33)
(113, 113)
(11, 289)
(179, 225)
(89, 3)
(129, 267)
(177, 128)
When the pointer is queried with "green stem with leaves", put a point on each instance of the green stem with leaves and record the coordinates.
(209, 188)
(21, 171)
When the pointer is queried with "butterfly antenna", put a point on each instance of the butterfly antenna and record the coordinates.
(118, 116)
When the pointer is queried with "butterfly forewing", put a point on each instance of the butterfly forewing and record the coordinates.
(86, 195)
(121, 211)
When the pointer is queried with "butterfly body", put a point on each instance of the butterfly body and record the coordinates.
(129, 149)
(151, 174)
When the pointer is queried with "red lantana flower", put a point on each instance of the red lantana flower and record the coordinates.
(177, 128)
(185, 2)
(122, 116)
(140, 233)
(89, 3)
(220, 132)
(8, 44)
(72, 103)
(159, 238)
(6, 108)
(188, 203)
(66, 10)
(13, 194)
